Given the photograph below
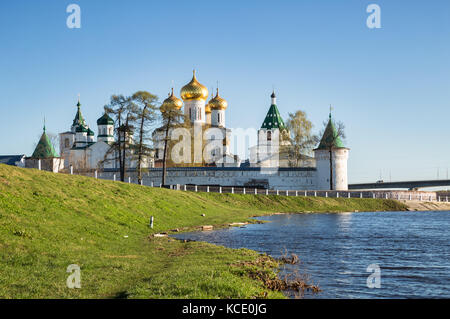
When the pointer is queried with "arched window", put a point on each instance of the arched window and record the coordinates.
(66, 143)
(269, 135)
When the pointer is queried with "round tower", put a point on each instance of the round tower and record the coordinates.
(331, 160)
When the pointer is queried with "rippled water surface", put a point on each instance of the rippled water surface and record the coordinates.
(411, 248)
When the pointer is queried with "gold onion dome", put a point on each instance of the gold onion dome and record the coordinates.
(194, 90)
(171, 102)
(208, 105)
(218, 103)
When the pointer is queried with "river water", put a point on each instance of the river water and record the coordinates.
(411, 249)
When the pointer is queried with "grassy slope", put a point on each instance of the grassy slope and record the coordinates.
(48, 221)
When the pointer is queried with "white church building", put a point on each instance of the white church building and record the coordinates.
(82, 152)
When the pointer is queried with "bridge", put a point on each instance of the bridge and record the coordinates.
(411, 185)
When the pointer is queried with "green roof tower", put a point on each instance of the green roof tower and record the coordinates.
(105, 129)
(273, 118)
(78, 120)
(44, 148)
(331, 159)
(330, 136)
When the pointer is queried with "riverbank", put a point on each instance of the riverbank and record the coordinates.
(49, 221)
(425, 206)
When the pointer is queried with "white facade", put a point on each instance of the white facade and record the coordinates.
(282, 179)
(106, 133)
(80, 150)
(208, 118)
(218, 118)
(195, 110)
(66, 142)
(81, 139)
(339, 164)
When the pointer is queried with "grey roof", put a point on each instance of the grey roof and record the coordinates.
(11, 159)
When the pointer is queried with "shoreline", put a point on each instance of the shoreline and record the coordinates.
(426, 206)
(49, 221)
(278, 262)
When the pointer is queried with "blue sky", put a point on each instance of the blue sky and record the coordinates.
(390, 86)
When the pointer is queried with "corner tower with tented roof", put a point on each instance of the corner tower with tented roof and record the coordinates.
(331, 160)
(44, 148)
(44, 156)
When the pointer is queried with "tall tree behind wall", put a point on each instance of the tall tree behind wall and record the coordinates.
(145, 118)
(301, 137)
(123, 111)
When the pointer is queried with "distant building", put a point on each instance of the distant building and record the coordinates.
(80, 150)
(14, 160)
(270, 165)
(208, 118)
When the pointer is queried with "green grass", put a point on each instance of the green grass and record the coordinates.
(48, 221)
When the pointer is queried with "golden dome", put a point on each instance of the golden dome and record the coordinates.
(208, 105)
(171, 102)
(218, 103)
(194, 90)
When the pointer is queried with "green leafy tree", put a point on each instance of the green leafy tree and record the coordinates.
(300, 136)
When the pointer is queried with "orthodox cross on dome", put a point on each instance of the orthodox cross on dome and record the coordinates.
(331, 109)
